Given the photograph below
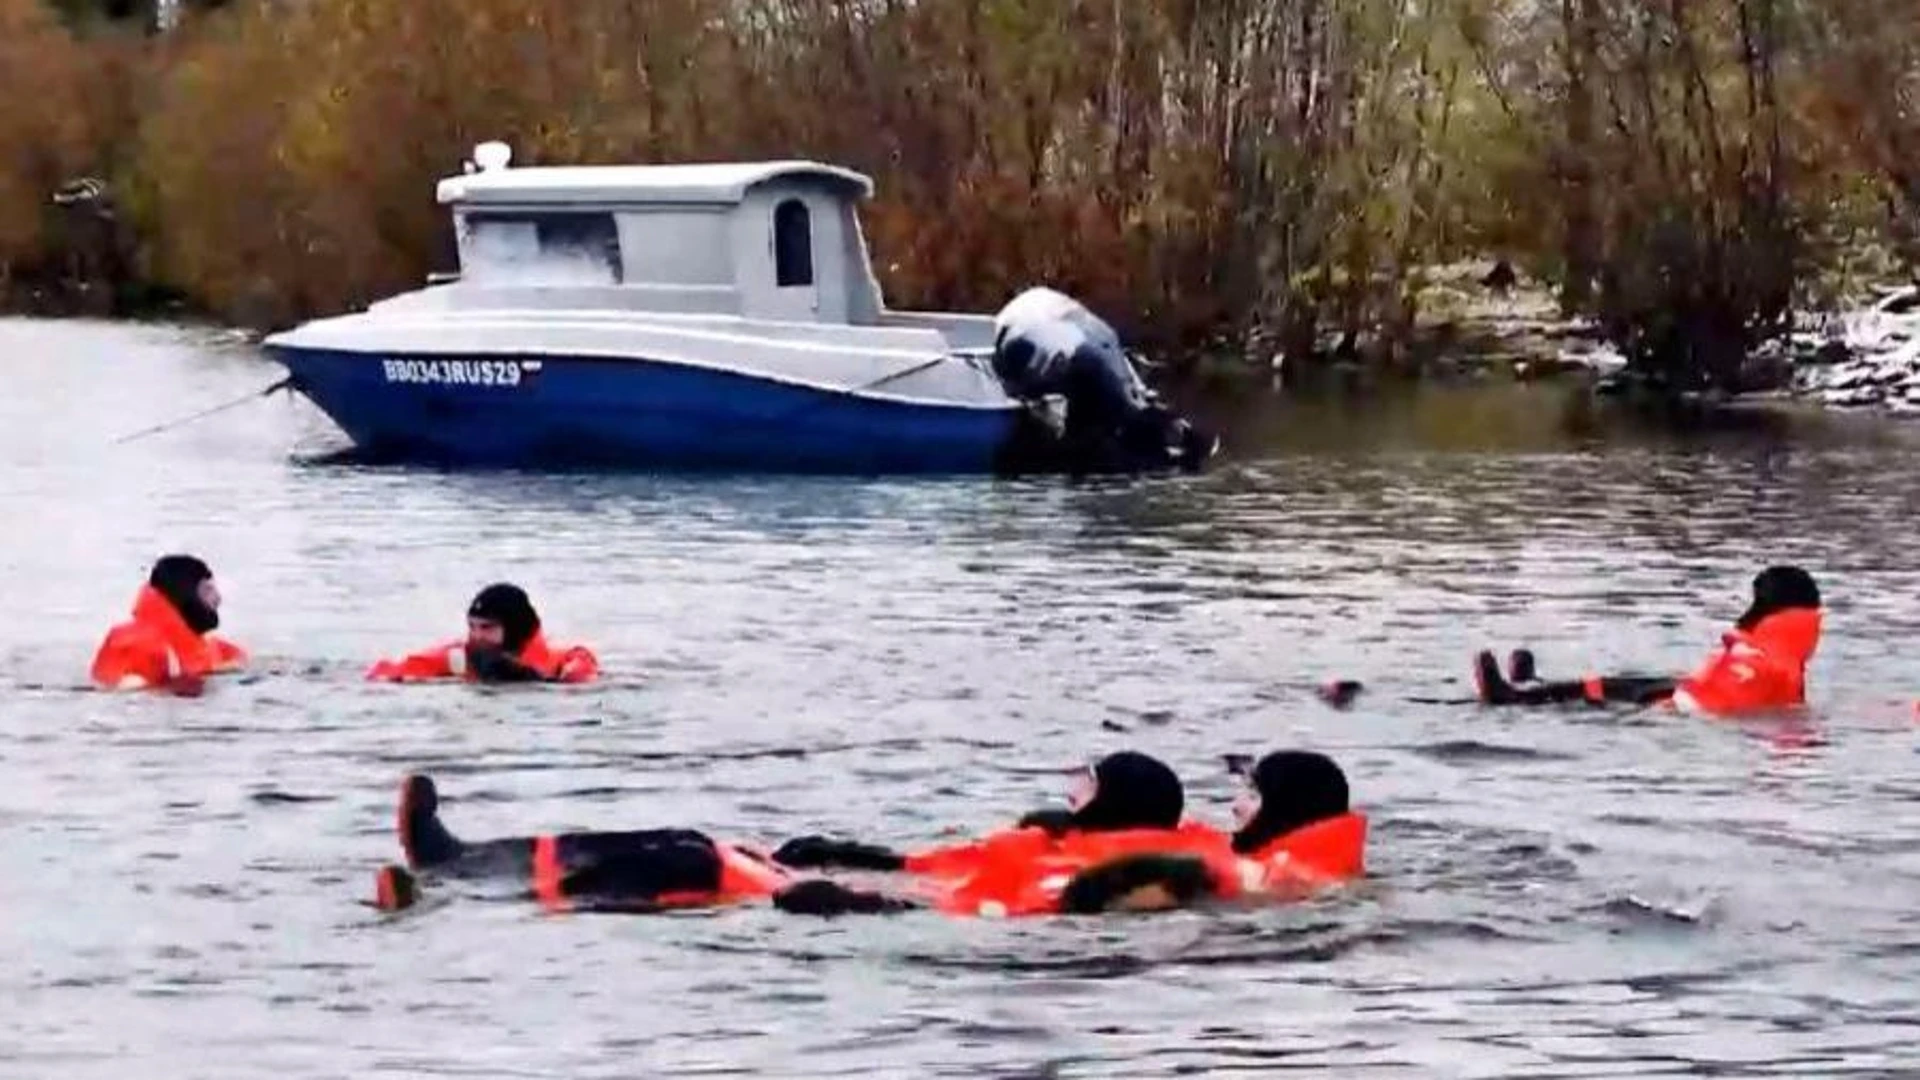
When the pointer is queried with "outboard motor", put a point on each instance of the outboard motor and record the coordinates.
(1046, 343)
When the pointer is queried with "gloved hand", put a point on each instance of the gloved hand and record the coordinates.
(1339, 693)
(494, 665)
(1054, 820)
(828, 898)
(803, 852)
(186, 686)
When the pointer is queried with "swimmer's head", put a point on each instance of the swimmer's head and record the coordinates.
(188, 585)
(1127, 790)
(501, 617)
(1777, 589)
(1285, 791)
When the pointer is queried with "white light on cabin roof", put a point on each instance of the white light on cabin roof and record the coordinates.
(492, 155)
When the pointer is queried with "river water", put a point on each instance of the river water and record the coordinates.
(1551, 893)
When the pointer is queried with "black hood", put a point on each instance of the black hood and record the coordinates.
(1777, 589)
(1297, 788)
(1133, 791)
(178, 578)
(507, 605)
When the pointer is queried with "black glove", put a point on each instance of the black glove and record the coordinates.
(1340, 692)
(494, 665)
(828, 898)
(810, 851)
(1056, 821)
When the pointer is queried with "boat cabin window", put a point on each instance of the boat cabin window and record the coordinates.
(792, 244)
(542, 248)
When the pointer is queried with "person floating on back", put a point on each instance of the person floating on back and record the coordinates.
(1130, 850)
(169, 642)
(1295, 834)
(504, 643)
(1122, 792)
(1127, 803)
(1295, 827)
(1761, 665)
(634, 870)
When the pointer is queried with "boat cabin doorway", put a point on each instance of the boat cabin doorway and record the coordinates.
(796, 246)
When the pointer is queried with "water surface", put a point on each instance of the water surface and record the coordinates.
(1552, 893)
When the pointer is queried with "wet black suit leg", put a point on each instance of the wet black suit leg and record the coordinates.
(611, 870)
(1639, 690)
(1614, 690)
(625, 871)
(432, 848)
(596, 869)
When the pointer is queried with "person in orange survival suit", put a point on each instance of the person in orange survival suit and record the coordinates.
(1127, 804)
(1121, 793)
(169, 643)
(639, 870)
(1761, 665)
(504, 643)
(1297, 830)
(1296, 834)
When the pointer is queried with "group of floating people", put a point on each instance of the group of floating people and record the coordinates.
(169, 644)
(1123, 842)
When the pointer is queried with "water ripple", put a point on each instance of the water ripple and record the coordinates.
(1552, 893)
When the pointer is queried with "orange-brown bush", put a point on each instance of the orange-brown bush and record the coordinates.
(52, 116)
(1695, 202)
(1866, 75)
(1179, 165)
(1188, 167)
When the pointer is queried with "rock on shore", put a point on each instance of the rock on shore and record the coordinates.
(1868, 358)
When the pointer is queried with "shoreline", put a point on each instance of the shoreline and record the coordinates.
(1865, 358)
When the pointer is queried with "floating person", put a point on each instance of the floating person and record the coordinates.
(1296, 828)
(1125, 791)
(169, 644)
(1761, 665)
(504, 643)
(1127, 803)
(1047, 343)
(1295, 835)
(639, 870)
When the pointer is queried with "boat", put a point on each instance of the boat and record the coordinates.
(671, 316)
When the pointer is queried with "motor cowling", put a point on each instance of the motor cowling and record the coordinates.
(1047, 343)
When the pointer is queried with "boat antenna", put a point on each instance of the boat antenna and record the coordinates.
(283, 384)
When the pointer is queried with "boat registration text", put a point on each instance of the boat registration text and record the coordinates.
(455, 372)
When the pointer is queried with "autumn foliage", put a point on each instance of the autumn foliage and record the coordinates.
(1272, 170)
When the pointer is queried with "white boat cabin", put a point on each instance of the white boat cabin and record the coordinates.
(775, 241)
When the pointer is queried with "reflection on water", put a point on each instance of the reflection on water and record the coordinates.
(1553, 894)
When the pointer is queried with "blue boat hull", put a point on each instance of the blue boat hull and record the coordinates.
(581, 411)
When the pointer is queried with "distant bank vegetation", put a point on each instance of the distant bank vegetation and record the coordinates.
(1280, 172)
